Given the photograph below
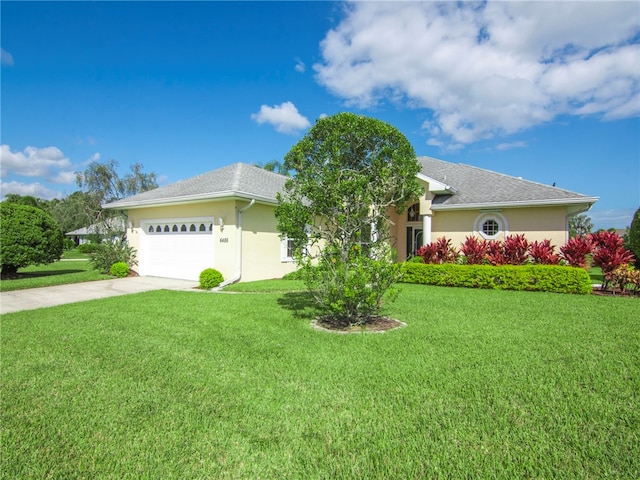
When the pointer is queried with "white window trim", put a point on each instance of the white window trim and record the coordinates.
(284, 250)
(499, 218)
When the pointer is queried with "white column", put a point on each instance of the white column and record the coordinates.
(426, 229)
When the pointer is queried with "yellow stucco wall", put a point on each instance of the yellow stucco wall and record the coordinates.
(262, 255)
(261, 251)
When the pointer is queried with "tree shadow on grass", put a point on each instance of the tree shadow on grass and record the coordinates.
(300, 304)
(46, 273)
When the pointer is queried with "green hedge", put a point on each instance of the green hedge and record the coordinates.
(543, 278)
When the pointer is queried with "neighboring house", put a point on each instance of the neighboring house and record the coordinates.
(112, 229)
(225, 219)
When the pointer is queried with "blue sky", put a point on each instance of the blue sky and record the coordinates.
(547, 93)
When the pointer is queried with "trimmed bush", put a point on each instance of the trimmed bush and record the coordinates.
(119, 269)
(210, 278)
(88, 248)
(544, 278)
(30, 236)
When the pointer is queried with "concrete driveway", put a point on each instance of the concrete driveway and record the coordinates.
(33, 298)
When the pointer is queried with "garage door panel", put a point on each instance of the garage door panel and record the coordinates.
(176, 255)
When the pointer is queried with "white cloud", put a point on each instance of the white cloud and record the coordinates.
(5, 57)
(48, 162)
(35, 189)
(509, 146)
(284, 117)
(614, 218)
(487, 69)
(300, 66)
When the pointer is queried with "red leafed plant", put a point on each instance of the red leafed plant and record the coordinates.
(440, 251)
(495, 253)
(575, 251)
(608, 251)
(515, 249)
(542, 253)
(428, 252)
(474, 250)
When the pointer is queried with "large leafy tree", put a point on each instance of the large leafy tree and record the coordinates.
(72, 212)
(633, 237)
(102, 184)
(579, 226)
(350, 171)
(30, 236)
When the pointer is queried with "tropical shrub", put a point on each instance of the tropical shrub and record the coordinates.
(474, 250)
(542, 253)
(428, 253)
(30, 236)
(575, 252)
(608, 252)
(546, 278)
(108, 253)
(440, 251)
(210, 278)
(119, 269)
(515, 249)
(495, 253)
(624, 278)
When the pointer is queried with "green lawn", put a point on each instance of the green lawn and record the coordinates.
(57, 273)
(480, 384)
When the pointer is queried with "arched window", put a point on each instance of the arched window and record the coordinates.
(175, 228)
(413, 213)
(203, 227)
(158, 229)
(166, 228)
(183, 228)
(192, 228)
(150, 228)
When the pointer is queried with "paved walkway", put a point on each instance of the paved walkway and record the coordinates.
(32, 298)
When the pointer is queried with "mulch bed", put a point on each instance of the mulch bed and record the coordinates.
(609, 293)
(377, 324)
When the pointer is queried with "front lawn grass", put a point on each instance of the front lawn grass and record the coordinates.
(57, 273)
(480, 384)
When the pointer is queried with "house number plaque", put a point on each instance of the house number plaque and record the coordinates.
(224, 240)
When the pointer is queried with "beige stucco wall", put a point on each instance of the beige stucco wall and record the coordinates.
(261, 251)
(536, 223)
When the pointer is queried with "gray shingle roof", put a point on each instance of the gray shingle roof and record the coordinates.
(477, 187)
(473, 187)
(237, 180)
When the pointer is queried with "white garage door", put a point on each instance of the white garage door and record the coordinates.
(176, 249)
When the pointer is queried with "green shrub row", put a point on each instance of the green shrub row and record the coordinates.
(543, 278)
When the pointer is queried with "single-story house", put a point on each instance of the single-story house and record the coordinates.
(224, 219)
(111, 229)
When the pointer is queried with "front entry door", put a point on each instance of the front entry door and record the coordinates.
(414, 240)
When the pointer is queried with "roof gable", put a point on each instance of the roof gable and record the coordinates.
(238, 180)
(475, 187)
